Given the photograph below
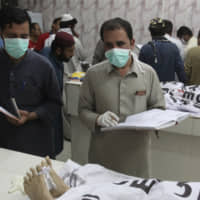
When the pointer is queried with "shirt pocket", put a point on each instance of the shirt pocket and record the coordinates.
(140, 99)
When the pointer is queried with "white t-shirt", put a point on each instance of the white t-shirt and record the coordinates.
(178, 43)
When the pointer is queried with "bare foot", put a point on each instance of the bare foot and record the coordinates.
(61, 187)
(35, 186)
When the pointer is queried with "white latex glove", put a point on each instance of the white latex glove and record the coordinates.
(108, 119)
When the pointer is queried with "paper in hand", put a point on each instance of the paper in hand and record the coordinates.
(11, 109)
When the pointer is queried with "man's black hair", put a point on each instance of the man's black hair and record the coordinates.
(10, 15)
(66, 24)
(116, 23)
(168, 26)
(184, 30)
(157, 32)
(157, 27)
(56, 20)
(32, 26)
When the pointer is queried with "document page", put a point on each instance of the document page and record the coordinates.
(5, 112)
(155, 118)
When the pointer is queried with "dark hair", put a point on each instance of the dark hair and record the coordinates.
(56, 20)
(32, 26)
(9, 15)
(157, 32)
(157, 27)
(66, 24)
(184, 30)
(168, 26)
(116, 23)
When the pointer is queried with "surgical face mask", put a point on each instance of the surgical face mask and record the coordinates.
(118, 57)
(16, 47)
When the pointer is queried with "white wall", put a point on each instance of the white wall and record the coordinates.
(91, 14)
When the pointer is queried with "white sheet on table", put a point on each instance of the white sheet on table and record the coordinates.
(94, 182)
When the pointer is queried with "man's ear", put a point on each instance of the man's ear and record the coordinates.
(132, 42)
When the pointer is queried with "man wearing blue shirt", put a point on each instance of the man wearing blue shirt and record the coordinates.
(31, 80)
(162, 54)
(61, 50)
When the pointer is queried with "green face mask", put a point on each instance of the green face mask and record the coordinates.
(16, 47)
(118, 57)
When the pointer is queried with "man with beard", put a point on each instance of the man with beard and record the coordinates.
(61, 50)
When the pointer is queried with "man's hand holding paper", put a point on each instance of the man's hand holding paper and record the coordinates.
(19, 121)
(108, 119)
(25, 116)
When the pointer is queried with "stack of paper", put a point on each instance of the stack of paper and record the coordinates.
(154, 119)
